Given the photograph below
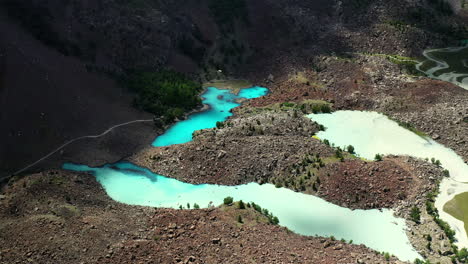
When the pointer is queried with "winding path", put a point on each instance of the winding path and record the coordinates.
(76, 139)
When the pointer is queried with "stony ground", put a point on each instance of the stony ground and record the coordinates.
(373, 83)
(63, 217)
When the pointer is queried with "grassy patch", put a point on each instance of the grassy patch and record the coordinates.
(306, 106)
(301, 78)
(409, 126)
(458, 208)
(406, 64)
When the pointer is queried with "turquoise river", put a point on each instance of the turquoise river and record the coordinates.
(301, 213)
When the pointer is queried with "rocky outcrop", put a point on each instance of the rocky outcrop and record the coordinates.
(254, 148)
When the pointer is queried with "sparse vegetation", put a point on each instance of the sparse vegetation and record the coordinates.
(219, 124)
(415, 214)
(432, 210)
(271, 218)
(410, 127)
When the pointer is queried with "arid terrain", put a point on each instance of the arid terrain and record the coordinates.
(61, 69)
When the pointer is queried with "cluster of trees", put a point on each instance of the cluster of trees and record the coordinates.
(241, 205)
(432, 210)
(164, 93)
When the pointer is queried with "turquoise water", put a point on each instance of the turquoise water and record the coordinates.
(301, 213)
(371, 133)
(220, 101)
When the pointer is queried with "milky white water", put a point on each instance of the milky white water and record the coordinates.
(458, 78)
(371, 133)
(301, 213)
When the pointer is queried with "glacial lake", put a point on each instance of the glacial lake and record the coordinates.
(301, 213)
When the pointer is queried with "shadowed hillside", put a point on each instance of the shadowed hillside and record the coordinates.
(62, 61)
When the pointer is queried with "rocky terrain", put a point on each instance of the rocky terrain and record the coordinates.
(61, 63)
(62, 217)
(375, 83)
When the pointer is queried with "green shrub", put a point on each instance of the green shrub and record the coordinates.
(446, 173)
(338, 153)
(325, 108)
(228, 200)
(239, 219)
(387, 256)
(275, 220)
(196, 206)
(350, 149)
(288, 104)
(241, 205)
(219, 124)
(378, 157)
(429, 237)
(462, 255)
(415, 215)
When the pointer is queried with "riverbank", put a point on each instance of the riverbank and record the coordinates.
(78, 213)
